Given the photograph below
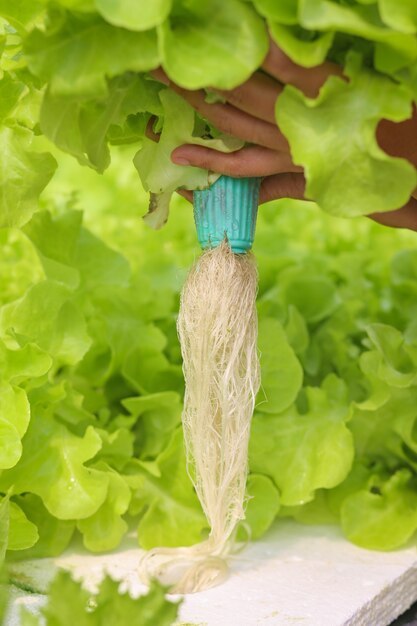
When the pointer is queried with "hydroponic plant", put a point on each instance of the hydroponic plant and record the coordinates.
(91, 387)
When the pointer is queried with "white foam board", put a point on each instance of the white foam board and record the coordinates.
(295, 576)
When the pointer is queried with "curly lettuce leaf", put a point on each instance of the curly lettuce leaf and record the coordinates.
(262, 506)
(20, 364)
(116, 445)
(396, 365)
(14, 420)
(333, 138)
(386, 430)
(197, 37)
(313, 295)
(20, 13)
(282, 374)
(156, 415)
(296, 330)
(50, 449)
(140, 16)
(399, 15)
(84, 128)
(46, 316)
(10, 93)
(308, 450)
(171, 513)
(24, 173)
(308, 51)
(158, 173)
(76, 54)
(382, 516)
(55, 240)
(23, 534)
(284, 12)
(104, 530)
(362, 20)
(54, 535)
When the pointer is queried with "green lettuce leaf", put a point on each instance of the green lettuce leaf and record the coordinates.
(24, 173)
(197, 36)
(46, 315)
(149, 370)
(76, 54)
(171, 512)
(84, 128)
(20, 364)
(23, 533)
(21, 13)
(358, 19)
(50, 449)
(140, 16)
(104, 530)
(313, 295)
(296, 330)
(10, 92)
(284, 12)
(157, 415)
(384, 516)
(14, 420)
(305, 451)
(158, 173)
(116, 446)
(378, 429)
(306, 51)
(282, 374)
(401, 16)
(55, 240)
(372, 181)
(262, 507)
(54, 534)
(396, 365)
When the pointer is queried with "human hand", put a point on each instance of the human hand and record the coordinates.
(249, 114)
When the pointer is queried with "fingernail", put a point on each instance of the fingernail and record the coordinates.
(179, 160)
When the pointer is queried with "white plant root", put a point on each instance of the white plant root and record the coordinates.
(217, 327)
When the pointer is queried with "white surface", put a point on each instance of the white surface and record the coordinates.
(296, 576)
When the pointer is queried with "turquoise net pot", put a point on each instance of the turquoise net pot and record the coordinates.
(228, 208)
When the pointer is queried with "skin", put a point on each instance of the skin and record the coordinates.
(248, 114)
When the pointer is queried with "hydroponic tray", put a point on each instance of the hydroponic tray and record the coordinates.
(296, 575)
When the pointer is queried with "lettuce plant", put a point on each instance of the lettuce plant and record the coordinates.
(91, 382)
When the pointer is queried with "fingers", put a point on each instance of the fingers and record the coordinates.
(250, 161)
(286, 185)
(257, 96)
(399, 139)
(307, 79)
(160, 75)
(406, 217)
(188, 195)
(231, 120)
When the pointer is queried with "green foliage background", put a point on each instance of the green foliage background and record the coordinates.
(92, 383)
